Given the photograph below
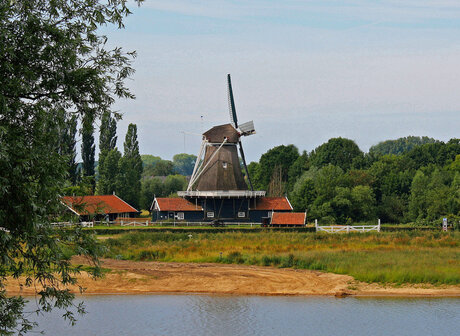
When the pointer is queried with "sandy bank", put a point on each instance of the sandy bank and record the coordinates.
(128, 277)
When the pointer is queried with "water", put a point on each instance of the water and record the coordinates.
(185, 315)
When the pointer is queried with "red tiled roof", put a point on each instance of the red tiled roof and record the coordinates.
(103, 204)
(273, 203)
(176, 204)
(288, 218)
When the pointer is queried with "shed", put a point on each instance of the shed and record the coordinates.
(164, 208)
(96, 207)
(261, 209)
(288, 219)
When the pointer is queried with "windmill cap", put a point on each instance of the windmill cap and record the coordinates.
(219, 133)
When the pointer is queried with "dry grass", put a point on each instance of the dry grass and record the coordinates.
(401, 257)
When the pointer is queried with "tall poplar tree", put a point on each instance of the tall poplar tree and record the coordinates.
(67, 146)
(88, 149)
(107, 144)
(130, 169)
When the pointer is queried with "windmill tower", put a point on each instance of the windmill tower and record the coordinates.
(217, 167)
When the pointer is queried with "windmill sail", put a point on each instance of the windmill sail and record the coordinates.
(220, 168)
(231, 103)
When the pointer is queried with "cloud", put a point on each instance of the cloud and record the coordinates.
(303, 71)
(402, 11)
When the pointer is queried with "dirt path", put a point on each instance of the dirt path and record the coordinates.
(149, 277)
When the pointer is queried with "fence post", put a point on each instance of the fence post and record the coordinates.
(378, 226)
(316, 224)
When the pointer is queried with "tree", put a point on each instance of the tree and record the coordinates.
(149, 160)
(163, 168)
(278, 158)
(301, 164)
(51, 59)
(184, 163)
(363, 203)
(110, 167)
(174, 183)
(418, 200)
(338, 152)
(149, 189)
(304, 194)
(130, 169)
(67, 145)
(88, 148)
(107, 143)
(108, 133)
(401, 145)
(254, 173)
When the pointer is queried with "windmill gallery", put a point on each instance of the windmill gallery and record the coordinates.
(217, 192)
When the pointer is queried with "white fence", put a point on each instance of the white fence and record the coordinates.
(347, 228)
(70, 224)
(134, 223)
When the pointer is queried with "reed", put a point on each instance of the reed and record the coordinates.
(393, 257)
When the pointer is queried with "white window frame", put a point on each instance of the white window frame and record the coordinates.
(210, 214)
(180, 215)
(241, 214)
(224, 165)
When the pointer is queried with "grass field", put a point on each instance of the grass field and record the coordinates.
(393, 257)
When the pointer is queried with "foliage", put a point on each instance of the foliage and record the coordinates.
(338, 152)
(401, 145)
(107, 133)
(67, 145)
(362, 187)
(88, 148)
(52, 61)
(279, 158)
(107, 144)
(301, 164)
(149, 160)
(130, 169)
(109, 170)
(161, 188)
(184, 163)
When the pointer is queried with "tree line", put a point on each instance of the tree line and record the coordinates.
(116, 173)
(411, 179)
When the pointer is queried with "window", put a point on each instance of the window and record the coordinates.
(224, 164)
(210, 214)
(241, 214)
(180, 215)
(269, 214)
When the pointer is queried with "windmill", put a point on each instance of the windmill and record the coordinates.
(217, 167)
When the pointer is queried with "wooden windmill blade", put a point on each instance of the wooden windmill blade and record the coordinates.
(244, 129)
(240, 145)
(231, 103)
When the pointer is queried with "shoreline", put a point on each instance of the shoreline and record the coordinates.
(160, 278)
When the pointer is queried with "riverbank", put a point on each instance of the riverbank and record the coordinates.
(141, 277)
(409, 257)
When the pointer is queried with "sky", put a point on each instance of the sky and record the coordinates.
(304, 71)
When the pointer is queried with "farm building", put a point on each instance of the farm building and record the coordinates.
(224, 208)
(288, 219)
(107, 207)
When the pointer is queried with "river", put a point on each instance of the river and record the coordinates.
(186, 315)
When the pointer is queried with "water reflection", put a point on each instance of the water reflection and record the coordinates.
(252, 315)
